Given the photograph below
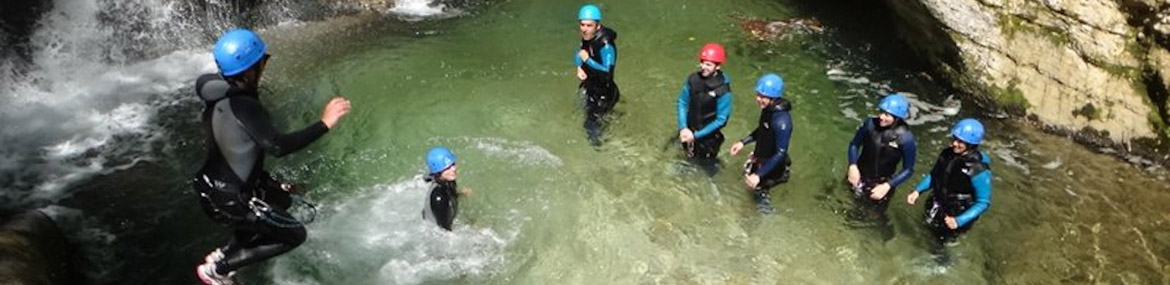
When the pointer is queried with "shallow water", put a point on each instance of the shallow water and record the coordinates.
(497, 87)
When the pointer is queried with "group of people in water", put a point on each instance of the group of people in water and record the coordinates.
(235, 190)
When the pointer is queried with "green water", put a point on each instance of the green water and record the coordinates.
(498, 87)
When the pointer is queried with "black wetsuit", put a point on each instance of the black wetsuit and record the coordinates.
(601, 94)
(600, 90)
(881, 149)
(770, 160)
(241, 133)
(961, 185)
(442, 204)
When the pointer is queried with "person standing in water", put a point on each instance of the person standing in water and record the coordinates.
(596, 60)
(961, 180)
(704, 105)
(769, 165)
(443, 202)
(233, 187)
(879, 144)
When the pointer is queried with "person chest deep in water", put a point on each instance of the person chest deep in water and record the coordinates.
(442, 203)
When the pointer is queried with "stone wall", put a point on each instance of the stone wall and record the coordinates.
(1093, 65)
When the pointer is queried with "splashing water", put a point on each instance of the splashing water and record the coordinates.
(383, 232)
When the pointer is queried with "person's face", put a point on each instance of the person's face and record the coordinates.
(707, 68)
(958, 146)
(450, 173)
(588, 29)
(763, 101)
(252, 75)
(885, 119)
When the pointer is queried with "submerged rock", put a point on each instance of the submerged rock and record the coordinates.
(763, 30)
(33, 251)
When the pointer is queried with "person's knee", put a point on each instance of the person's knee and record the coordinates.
(297, 236)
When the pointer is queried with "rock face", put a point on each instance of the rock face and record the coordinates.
(33, 251)
(1080, 64)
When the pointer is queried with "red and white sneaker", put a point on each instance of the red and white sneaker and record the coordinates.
(215, 256)
(206, 273)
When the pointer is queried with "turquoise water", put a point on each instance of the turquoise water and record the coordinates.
(498, 87)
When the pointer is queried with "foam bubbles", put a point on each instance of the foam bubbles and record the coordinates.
(382, 234)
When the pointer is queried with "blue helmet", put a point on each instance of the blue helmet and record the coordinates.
(896, 105)
(589, 12)
(439, 159)
(770, 85)
(237, 50)
(969, 131)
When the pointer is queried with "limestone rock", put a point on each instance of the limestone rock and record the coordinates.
(1071, 63)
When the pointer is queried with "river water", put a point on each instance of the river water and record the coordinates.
(496, 85)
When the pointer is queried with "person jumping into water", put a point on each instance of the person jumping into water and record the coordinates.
(233, 187)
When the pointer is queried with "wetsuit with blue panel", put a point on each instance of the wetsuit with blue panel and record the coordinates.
(601, 93)
(961, 185)
(877, 150)
(704, 105)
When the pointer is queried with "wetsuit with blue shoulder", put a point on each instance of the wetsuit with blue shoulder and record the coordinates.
(704, 105)
(596, 62)
(959, 182)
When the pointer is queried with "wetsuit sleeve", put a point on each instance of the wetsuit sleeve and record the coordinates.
(782, 129)
(441, 209)
(723, 111)
(909, 154)
(683, 106)
(924, 185)
(750, 138)
(607, 57)
(855, 144)
(274, 142)
(982, 184)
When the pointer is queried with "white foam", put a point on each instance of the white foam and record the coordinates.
(84, 104)
(381, 233)
(515, 151)
(414, 10)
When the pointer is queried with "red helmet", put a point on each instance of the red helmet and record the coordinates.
(712, 52)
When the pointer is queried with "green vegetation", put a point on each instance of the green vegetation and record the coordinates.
(1089, 111)
(1010, 98)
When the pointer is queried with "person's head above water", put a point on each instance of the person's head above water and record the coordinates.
(894, 107)
(711, 58)
(967, 134)
(589, 18)
(441, 163)
(769, 88)
(241, 56)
